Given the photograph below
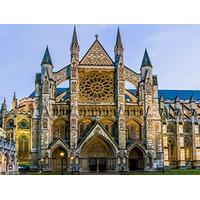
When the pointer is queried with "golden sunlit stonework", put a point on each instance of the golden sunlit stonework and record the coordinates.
(97, 124)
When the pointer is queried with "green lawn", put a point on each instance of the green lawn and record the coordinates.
(167, 172)
(170, 172)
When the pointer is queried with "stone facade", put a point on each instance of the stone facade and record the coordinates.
(98, 124)
(8, 158)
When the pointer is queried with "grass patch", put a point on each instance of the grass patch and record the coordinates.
(166, 172)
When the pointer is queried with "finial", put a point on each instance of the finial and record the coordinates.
(14, 96)
(96, 36)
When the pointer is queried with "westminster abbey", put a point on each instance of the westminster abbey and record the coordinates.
(97, 124)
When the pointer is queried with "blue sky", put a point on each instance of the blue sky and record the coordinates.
(174, 51)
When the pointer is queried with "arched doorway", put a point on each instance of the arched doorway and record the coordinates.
(59, 159)
(136, 159)
(97, 155)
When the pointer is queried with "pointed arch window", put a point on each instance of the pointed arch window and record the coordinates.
(132, 132)
(188, 150)
(23, 148)
(171, 150)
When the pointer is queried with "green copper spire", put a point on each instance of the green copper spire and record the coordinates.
(146, 60)
(47, 58)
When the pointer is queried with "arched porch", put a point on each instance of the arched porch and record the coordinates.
(98, 155)
(59, 159)
(136, 159)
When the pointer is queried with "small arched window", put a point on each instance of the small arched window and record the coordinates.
(131, 132)
(10, 124)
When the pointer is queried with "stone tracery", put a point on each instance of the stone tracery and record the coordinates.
(97, 87)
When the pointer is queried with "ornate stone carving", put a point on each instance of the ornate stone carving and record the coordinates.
(148, 87)
(120, 72)
(121, 88)
(74, 86)
(73, 122)
(96, 56)
(121, 124)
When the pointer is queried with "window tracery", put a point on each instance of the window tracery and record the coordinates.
(97, 87)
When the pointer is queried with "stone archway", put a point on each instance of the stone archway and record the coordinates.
(59, 159)
(97, 154)
(136, 159)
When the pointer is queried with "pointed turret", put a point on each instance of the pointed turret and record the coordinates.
(14, 96)
(47, 58)
(192, 99)
(192, 103)
(177, 103)
(146, 66)
(4, 107)
(161, 102)
(119, 40)
(161, 98)
(14, 102)
(74, 37)
(74, 46)
(177, 99)
(146, 60)
(118, 46)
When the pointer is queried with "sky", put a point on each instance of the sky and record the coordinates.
(174, 51)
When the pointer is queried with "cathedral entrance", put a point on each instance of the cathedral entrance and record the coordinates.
(136, 160)
(97, 164)
(97, 156)
(59, 159)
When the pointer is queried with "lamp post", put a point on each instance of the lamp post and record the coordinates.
(72, 163)
(62, 154)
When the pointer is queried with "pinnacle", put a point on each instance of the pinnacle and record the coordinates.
(118, 40)
(74, 37)
(47, 58)
(146, 60)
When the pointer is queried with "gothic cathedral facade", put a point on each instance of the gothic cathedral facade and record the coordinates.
(97, 124)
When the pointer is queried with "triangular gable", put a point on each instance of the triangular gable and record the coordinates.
(57, 143)
(96, 56)
(96, 130)
(137, 143)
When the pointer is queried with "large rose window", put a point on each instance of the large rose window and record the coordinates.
(97, 87)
